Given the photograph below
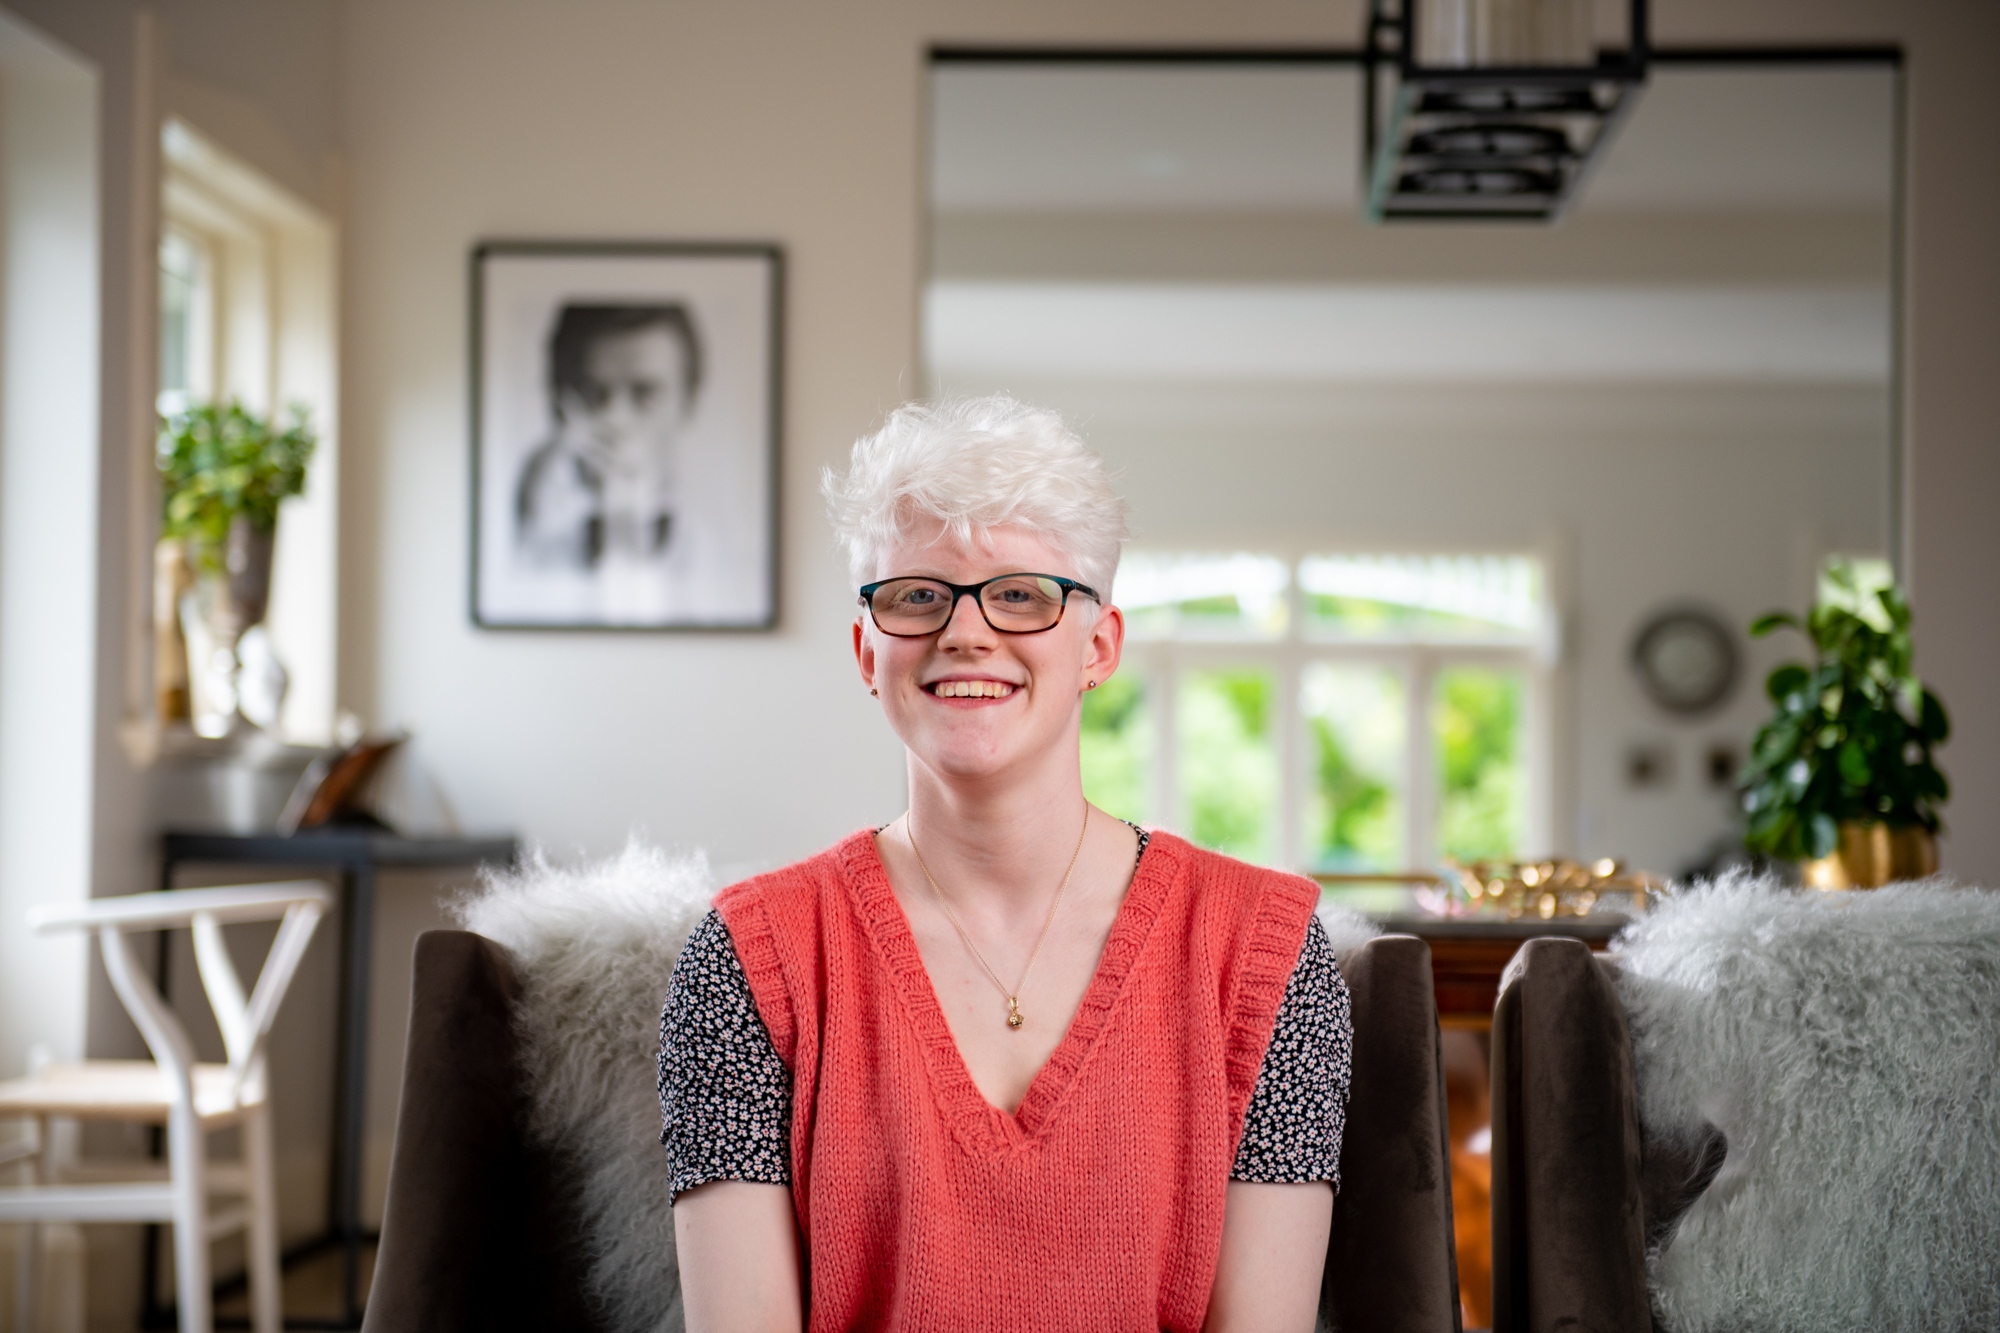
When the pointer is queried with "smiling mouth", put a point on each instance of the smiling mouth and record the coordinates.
(970, 689)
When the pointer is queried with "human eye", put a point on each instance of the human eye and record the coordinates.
(1024, 593)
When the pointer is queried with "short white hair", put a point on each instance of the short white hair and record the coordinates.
(972, 464)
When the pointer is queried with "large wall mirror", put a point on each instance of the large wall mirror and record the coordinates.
(1536, 437)
(1408, 496)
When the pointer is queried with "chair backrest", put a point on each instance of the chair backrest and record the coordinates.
(480, 1230)
(1579, 1191)
(1391, 1263)
(245, 1022)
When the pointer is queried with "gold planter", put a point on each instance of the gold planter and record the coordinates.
(1871, 855)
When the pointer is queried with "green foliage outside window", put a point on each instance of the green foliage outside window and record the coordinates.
(221, 462)
(1476, 718)
(1851, 739)
(1356, 749)
(1118, 748)
(1356, 804)
(1229, 762)
(1364, 617)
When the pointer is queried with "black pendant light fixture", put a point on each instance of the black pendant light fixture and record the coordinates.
(1490, 109)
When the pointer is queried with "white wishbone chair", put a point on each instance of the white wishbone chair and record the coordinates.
(190, 1099)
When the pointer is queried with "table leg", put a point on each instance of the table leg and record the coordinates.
(357, 926)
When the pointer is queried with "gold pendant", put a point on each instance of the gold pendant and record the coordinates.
(1014, 1018)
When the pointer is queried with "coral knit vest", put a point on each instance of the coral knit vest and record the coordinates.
(1098, 1204)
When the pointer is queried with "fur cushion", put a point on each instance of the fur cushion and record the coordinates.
(1346, 931)
(595, 946)
(1849, 1047)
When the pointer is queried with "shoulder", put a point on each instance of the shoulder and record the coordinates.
(775, 922)
(1224, 886)
(797, 888)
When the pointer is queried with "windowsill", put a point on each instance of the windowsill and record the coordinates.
(148, 741)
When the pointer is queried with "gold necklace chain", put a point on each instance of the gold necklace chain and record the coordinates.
(1013, 998)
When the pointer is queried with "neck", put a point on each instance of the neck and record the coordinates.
(1007, 840)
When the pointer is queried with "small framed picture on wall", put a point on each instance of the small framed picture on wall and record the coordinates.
(625, 415)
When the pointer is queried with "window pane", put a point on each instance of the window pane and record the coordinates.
(1118, 747)
(183, 278)
(1165, 595)
(1483, 780)
(1229, 760)
(1422, 597)
(1355, 749)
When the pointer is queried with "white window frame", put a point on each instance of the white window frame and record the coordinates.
(1162, 663)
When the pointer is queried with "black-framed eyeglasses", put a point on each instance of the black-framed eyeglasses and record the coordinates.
(910, 608)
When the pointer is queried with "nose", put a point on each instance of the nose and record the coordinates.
(967, 627)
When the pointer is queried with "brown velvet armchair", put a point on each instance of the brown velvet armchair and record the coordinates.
(477, 1235)
(1579, 1192)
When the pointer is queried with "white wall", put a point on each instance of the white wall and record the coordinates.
(48, 537)
(1952, 409)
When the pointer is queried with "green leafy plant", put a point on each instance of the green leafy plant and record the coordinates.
(1851, 739)
(219, 462)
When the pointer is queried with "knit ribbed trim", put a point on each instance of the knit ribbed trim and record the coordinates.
(743, 911)
(1277, 935)
(980, 1126)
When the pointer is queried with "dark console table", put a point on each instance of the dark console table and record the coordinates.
(1468, 954)
(357, 854)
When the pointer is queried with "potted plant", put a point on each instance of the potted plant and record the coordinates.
(224, 471)
(1841, 778)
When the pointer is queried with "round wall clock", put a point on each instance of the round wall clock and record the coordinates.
(1687, 660)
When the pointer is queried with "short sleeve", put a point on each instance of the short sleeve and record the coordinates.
(1298, 1110)
(725, 1096)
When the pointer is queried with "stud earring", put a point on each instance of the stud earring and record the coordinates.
(872, 690)
(1090, 684)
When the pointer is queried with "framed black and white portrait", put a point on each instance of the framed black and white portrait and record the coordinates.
(625, 411)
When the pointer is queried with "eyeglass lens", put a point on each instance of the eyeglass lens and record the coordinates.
(1021, 604)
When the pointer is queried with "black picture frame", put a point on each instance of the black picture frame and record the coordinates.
(731, 295)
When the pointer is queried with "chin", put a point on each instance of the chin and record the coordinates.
(973, 758)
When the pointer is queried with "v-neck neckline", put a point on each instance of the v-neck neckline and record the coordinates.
(978, 1121)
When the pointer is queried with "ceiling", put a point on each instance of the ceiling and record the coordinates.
(1101, 138)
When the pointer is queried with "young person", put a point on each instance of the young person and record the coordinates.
(1004, 1062)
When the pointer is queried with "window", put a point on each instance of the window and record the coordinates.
(1338, 713)
(246, 296)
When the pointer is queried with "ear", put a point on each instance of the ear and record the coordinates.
(864, 654)
(1106, 646)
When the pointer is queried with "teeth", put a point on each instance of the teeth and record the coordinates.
(972, 689)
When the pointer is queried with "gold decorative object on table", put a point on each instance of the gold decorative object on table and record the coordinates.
(1871, 855)
(1544, 889)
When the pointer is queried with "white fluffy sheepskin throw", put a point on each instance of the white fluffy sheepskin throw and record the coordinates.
(1849, 1046)
(1346, 931)
(595, 947)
